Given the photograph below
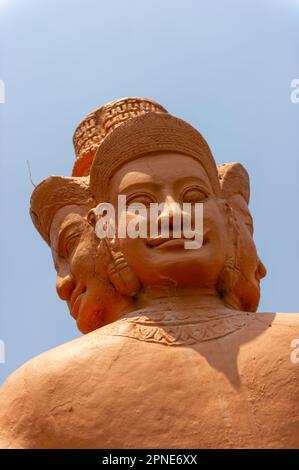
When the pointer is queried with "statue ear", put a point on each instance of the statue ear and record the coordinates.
(234, 179)
(91, 218)
(119, 272)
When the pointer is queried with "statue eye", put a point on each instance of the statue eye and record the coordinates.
(194, 195)
(71, 243)
(68, 245)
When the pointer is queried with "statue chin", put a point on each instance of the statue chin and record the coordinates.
(173, 354)
(170, 263)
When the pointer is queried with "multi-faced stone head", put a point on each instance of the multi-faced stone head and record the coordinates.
(136, 149)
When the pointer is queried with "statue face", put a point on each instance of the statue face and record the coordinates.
(168, 178)
(81, 276)
(250, 265)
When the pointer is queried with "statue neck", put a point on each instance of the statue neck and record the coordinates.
(184, 317)
(160, 299)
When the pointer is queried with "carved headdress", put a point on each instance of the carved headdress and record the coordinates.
(149, 133)
(97, 125)
(56, 192)
(109, 136)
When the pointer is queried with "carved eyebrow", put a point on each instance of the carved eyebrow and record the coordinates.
(179, 182)
(140, 186)
(194, 179)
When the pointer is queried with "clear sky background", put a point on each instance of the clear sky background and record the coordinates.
(223, 65)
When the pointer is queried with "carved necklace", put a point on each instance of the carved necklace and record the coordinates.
(165, 327)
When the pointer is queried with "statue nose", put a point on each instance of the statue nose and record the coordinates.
(171, 215)
(65, 286)
(261, 270)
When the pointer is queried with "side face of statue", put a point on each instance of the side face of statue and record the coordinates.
(82, 278)
(173, 354)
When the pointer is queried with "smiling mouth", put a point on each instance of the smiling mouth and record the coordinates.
(76, 306)
(171, 242)
(159, 241)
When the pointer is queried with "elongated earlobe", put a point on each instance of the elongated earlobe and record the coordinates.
(120, 274)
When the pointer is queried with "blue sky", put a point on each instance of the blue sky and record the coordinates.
(223, 65)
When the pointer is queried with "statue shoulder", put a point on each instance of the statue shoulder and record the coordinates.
(287, 319)
(276, 343)
(280, 328)
(283, 323)
(17, 409)
(44, 387)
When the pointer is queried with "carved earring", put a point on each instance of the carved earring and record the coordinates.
(120, 274)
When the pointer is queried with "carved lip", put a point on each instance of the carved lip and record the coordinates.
(76, 300)
(76, 306)
(169, 242)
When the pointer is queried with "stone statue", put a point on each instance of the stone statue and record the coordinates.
(173, 354)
